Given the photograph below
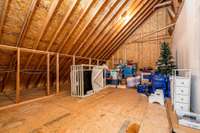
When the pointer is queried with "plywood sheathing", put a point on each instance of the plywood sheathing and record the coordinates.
(146, 50)
(104, 112)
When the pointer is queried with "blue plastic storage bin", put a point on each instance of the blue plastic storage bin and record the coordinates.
(160, 81)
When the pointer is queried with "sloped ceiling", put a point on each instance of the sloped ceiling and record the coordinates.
(88, 28)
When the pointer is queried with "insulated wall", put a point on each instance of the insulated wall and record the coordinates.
(142, 47)
(186, 46)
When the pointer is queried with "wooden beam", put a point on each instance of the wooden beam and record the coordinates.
(76, 25)
(130, 26)
(87, 25)
(96, 27)
(43, 29)
(14, 48)
(104, 44)
(86, 51)
(57, 74)
(164, 4)
(48, 74)
(3, 17)
(118, 42)
(18, 77)
(171, 13)
(154, 32)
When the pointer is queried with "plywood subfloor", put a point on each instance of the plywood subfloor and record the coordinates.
(109, 111)
(25, 95)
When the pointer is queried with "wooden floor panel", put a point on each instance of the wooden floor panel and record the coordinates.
(109, 111)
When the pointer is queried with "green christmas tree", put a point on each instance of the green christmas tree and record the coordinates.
(165, 63)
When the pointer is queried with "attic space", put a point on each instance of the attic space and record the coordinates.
(99, 66)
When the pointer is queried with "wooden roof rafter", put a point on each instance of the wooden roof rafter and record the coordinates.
(101, 48)
(99, 10)
(134, 18)
(66, 17)
(116, 25)
(97, 26)
(44, 27)
(117, 11)
(113, 6)
(90, 21)
(74, 27)
(117, 43)
(85, 51)
(26, 23)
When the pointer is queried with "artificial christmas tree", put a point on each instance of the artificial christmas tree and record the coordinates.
(165, 62)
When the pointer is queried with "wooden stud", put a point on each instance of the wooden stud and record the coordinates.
(18, 77)
(90, 62)
(57, 74)
(6, 3)
(48, 74)
(74, 60)
(44, 27)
